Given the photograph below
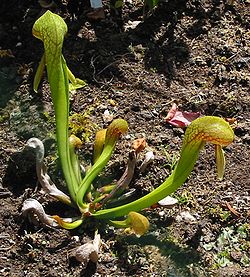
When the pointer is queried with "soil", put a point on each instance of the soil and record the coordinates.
(194, 53)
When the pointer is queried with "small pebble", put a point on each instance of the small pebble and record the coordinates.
(185, 216)
(168, 202)
(76, 238)
(161, 213)
(107, 116)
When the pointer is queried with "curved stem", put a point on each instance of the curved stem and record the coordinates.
(208, 128)
(60, 95)
(119, 223)
(92, 173)
(114, 131)
(75, 142)
(173, 182)
(51, 29)
(67, 225)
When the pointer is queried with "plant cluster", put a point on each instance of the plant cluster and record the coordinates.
(89, 200)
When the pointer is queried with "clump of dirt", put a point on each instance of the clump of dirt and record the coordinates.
(195, 53)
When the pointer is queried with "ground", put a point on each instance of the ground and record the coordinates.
(194, 53)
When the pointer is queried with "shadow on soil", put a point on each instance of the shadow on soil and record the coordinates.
(164, 50)
(20, 173)
(179, 255)
(8, 84)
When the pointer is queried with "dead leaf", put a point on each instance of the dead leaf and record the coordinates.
(149, 157)
(180, 119)
(41, 171)
(139, 145)
(232, 210)
(88, 251)
(33, 208)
